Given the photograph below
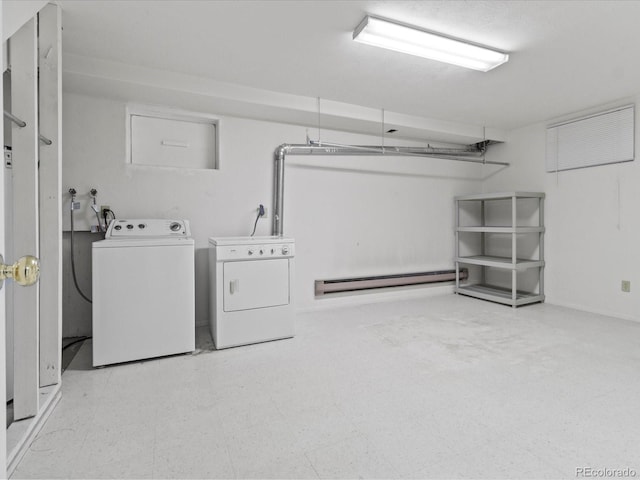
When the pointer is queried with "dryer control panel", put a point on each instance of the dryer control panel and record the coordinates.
(253, 248)
(148, 228)
(254, 252)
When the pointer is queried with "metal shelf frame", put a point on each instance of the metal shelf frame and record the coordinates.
(501, 229)
(513, 296)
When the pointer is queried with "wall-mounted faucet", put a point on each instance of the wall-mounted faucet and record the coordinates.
(74, 205)
(94, 193)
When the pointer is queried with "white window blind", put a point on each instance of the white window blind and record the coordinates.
(599, 139)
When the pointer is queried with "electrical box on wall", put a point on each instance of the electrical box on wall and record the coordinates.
(169, 139)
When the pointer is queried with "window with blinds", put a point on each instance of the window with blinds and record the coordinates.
(600, 139)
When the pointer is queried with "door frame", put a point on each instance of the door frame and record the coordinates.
(36, 51)
(3, 363)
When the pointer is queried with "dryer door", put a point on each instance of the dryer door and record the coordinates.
(256, 284)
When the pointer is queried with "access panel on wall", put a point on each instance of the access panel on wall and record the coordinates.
(171, 139)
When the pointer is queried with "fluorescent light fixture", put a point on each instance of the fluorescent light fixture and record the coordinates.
(415, 41)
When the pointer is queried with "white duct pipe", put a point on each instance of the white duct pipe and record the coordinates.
(472, 153)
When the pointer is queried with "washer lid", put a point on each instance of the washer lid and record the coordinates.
(222, 241)
(148, 228)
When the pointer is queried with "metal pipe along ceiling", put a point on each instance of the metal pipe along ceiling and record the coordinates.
(472, 153)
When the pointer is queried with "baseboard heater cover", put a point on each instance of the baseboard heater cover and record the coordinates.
(323, 287)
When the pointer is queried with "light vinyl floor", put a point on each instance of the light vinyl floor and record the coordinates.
(442, 387)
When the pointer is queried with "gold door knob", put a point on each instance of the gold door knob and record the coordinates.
(25, 271)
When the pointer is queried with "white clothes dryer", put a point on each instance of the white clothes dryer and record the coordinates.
(143, 291)
(251, 282)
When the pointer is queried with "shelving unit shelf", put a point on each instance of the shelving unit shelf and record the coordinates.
(484, 290)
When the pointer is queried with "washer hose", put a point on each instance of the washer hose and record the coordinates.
(73, 263)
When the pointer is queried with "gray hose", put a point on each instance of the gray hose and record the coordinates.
(73, 265)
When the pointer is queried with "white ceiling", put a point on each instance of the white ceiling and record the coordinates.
(566, 56)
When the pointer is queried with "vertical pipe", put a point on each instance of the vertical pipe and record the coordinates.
(541, 246)
(483, 223)
(514, 250)
(457, 244)
(278, 191)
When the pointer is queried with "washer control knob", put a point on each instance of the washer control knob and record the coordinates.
(285, 250)
(175, 226)
(118, 227)
(129, 226)
(142, 226)
(261, 252)
(273, 250)
(250, 251)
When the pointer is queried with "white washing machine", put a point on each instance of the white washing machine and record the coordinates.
(251, 295)
(143, 291)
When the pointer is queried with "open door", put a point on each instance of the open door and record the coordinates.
(24, 227)
(32, 223)
(3, 366)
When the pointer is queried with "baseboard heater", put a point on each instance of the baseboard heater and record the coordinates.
(323, 287)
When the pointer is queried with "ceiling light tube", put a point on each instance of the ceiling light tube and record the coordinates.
(415, 41)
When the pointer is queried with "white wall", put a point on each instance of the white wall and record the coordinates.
(15, 13)
(365, 216)
(592, 224)
(349, 215)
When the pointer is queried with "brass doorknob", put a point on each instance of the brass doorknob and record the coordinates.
(25, 271)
